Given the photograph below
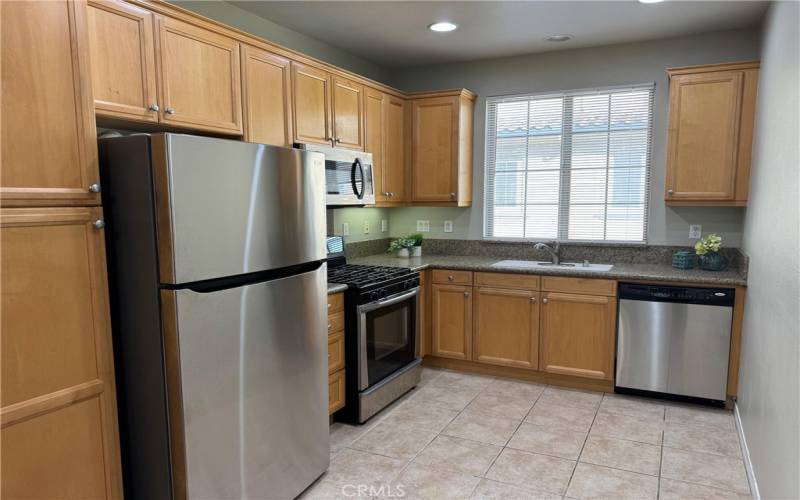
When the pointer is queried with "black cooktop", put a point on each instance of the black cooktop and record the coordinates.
(361, 276)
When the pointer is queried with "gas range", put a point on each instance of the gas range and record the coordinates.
(381, 310)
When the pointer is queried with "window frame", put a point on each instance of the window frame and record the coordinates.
(564, 173)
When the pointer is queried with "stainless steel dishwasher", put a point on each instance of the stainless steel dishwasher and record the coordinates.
(674, 341)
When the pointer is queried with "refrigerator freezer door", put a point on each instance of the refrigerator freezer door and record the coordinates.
(253, 387)
(228, 207)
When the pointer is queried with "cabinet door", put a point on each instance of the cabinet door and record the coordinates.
(507, 327)
(578, 335)
(348, 113)
(395, 158)
(266, 91)
(704, 117)
(435, 149)
(311, 91)
(452, 321)
(49, 143)
(123, 61)
(200, 80)
(374, 136)
(59, 422)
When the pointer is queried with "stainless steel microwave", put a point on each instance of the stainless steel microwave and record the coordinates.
(348, 176)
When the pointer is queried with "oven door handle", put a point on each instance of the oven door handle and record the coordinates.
(388, 301)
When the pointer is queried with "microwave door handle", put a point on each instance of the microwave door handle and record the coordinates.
(357, 163)
(388, 301)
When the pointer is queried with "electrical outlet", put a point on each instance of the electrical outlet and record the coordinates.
(366, 227)
(384, 225)
(695, 231)
(423, 226)
(345, 229)
(448, 226)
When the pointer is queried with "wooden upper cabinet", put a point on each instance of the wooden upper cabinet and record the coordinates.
(59, 422)
(122, 49)
(49, 143)
(200, 79)
(710, 134)
(311, 92)
(442, 149)
(506, 327)
(578, 334)
(394, 170)
(451, 321)
(374, 138)
(267, 96)
(348, 113)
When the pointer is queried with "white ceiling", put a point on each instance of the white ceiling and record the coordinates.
(394, 34)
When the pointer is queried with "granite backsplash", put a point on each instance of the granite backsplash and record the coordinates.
(569, 252)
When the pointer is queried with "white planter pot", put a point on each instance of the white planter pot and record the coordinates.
(403, 252)
(416, 251)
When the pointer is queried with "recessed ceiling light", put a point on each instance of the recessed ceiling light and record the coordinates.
(558, 38)
(650, 1)
(443, 27)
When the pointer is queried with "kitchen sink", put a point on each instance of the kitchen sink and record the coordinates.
(534, 264)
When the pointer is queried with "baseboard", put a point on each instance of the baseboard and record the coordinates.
(748, 465)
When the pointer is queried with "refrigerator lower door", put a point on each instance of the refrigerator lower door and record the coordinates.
(253, 387)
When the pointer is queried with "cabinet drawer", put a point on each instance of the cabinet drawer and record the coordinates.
(335, 391)
(335, 352)
(525, 281)
(579, 285)
(335, 303)
(336, 322)
(451, 277)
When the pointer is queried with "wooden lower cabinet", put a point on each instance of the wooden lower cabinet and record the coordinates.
(335, 352)
(335, 391)
(506, 327)
(578, 334)
(451, 317)
(59, 418)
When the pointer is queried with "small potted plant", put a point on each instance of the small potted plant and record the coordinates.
(401, 246)
(708, 254)
(416, 250)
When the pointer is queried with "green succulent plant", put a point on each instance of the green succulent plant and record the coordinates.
(709, 244)
(417, 237)
(401, 243)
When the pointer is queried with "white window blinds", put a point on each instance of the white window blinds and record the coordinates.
(569, 166)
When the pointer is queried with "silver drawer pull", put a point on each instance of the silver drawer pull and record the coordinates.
(99, 224)
(544, 300)
(170, 111)
(94, 188)
(153, 107)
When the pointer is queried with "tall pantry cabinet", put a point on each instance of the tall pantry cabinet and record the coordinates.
(58, 407)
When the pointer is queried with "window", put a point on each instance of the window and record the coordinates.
(569, 166)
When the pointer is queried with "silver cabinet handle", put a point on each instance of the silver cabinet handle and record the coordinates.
(669, 191)
(170, 111)
(533, 299)
(452, 195)
(391, 195)
(153, 107)
(329, 326)
(337, 140)
(94, 188)
(544, 300)
(450, 278)
(466, 294)
(99, 224)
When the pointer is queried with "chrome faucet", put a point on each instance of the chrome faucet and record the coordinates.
(553, 251)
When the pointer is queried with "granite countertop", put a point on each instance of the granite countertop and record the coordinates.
(654, 272)
(336, 288)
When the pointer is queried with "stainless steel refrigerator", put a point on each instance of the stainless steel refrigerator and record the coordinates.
(218, 288)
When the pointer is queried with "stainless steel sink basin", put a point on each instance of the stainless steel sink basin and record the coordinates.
(533, 264)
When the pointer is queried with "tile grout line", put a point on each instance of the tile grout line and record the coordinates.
(578, 460)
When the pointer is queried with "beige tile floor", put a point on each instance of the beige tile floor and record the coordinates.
(461, 436)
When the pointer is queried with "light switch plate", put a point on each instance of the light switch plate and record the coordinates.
(384, 225)
(345, 229)
(448, 226)
(366, 227)
(423, 226)
(695, 231)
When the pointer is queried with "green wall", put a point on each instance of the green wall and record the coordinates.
(356, 217)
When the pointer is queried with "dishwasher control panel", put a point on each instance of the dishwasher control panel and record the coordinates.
(688, 295)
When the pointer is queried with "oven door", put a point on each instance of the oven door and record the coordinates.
(387, 336)
(349, 182)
